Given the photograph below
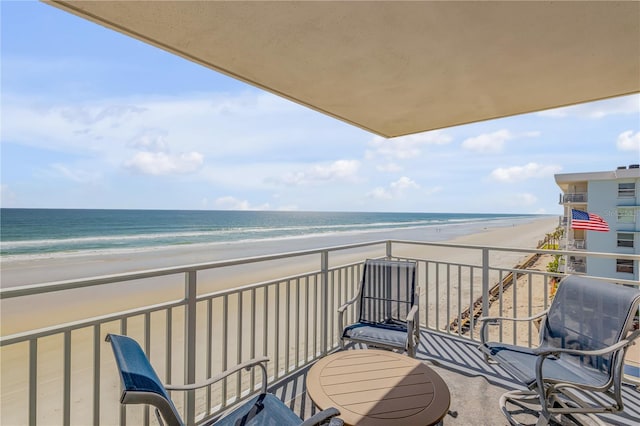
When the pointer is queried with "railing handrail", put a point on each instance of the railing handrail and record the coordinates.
(32, 289)
(75, 283)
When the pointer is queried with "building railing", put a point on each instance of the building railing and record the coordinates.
(64, 374)
(574, 244)
(574, 197)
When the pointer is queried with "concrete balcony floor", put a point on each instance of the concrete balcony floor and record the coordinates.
(475, 386)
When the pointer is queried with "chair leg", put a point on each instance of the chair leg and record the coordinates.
(411, 351)
(521, 397)
(542, 420)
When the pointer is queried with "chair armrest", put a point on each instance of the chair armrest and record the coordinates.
(411, 316)
(342, 308)
(496, 320)
(261, 361)
(321, 417)
(486, 321)
(546, 351)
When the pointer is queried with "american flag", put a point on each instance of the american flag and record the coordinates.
(588, 221)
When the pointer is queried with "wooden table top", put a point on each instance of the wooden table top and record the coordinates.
(374, 387)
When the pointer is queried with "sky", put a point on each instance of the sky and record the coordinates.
(91, 118)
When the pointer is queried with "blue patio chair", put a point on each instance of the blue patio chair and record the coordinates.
(578, 366)
(387, 307)
(141, 385)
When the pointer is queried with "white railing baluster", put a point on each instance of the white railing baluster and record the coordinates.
(66, 414)
(224, 347)
(485, 281)
(500, 304)
(97, 343)
(530, 310)
(277, 334)
(448, 294)
(437, 296)
(306, 321)
(471, 300)
(209, 356)
(33, 382)
(296, 323)
(168, 350)
(190, 343)
(515, 311)
(287, 325)
(252, 340)
(239, 314)
(324, 270)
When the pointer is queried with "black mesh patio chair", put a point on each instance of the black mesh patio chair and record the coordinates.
(387, 307)
(578, 366)
(141, 385)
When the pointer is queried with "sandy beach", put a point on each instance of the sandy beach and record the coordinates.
(61, 307)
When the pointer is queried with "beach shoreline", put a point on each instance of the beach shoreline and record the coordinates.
(18, 271)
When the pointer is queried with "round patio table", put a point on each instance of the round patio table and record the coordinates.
(374, 387)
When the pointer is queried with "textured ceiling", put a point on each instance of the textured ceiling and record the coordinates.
(397, 68)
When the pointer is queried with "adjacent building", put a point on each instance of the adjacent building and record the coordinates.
(615, 196)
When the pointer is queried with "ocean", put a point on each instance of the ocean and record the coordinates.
(29, 233)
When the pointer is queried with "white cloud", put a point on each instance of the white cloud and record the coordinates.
(232, 203)
(628, 141)
(405, 147)
(380, 193)
(528, 171)
(76, 175)
(213, 124)
(395, 189)
(389, 168)
(403, 183)
(340, 170)
(162, 163)
(595, 110)
(526, 199)
(488, 142)
(433, 190)
(153, 141)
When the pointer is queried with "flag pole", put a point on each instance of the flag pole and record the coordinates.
(566, 239)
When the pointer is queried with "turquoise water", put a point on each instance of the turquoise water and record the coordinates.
(27, 232)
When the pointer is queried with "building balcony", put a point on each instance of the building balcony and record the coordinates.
(573, 198)
(574, 244)
(65, 374)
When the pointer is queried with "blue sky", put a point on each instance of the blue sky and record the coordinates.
(94, 119)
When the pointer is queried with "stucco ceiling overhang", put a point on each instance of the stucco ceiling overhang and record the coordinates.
(394, 67)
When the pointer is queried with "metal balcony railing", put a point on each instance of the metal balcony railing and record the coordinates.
(575, 197)
(65, 374)
(576, 245)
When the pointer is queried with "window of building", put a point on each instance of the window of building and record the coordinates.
(624, 265)
(626, 215)
(627, 189)
(625, 239)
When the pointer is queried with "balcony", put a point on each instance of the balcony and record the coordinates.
(575, 197)
(65, 374)
(576, 245)
(577, 265)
